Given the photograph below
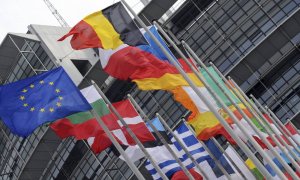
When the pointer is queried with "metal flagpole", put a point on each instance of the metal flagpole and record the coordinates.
(212, 108)
(130, 132)
(292, 124)
(227, 155)
(210, 153)
(247, 104)
(165, 143)
(289, 121)
(215, 159)
(263, 122)
(241, 159)
(275, 131)
(276, 122)
(284, 130)
(266, 156)
(179, 140)
(134, 169)
(116, 144)
(203, 98)
(246, 118)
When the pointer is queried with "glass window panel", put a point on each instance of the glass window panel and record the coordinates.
(288, 75)
(289, 7)
(278, 17)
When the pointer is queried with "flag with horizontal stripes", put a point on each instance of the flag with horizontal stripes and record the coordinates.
(124, 53)
(143, 68)
(83, 125)
(167, 163)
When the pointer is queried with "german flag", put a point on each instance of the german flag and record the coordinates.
(106, 29)
(124, 52)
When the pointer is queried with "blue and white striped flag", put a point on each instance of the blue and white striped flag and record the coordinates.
(167, 163)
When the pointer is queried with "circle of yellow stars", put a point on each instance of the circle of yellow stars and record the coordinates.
(42, 110)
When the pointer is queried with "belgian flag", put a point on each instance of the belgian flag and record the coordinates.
(123, 51)
(106, 29)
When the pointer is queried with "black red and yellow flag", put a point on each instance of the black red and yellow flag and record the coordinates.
(106, 29)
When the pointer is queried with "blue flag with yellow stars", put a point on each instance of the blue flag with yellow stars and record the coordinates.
(31, 102)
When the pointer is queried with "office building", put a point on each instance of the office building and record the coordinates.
(255, 42)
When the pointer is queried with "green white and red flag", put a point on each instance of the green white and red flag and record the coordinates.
(84, 125)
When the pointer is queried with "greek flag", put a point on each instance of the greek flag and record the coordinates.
(167, 163)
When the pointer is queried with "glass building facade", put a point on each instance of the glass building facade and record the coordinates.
(68, 158)
(231, 34)
(255, 42)
(16, 151)
(81, 163)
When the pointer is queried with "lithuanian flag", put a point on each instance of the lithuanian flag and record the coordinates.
(106, 29)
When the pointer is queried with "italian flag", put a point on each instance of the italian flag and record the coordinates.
(83, 125)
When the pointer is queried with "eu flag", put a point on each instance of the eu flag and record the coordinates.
(29, 103)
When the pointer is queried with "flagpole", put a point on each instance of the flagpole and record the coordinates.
(278, 135)
(211, 107)
(241, 159)
(145, 117)
(275, 119)
(210, 154)
(289, 121)
(110, 163)
(249, 121)
(284, 130)
(226, 154)
(292, 124)
(179, 140)
(117, 145)
(130, 132)
(265, 122)
(246, 101)
(202, 97)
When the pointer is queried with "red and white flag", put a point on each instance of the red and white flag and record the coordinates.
(134, 121)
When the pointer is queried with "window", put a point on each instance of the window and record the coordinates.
(83, 66)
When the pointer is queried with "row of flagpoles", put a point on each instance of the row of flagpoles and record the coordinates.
(224, 123)
(286, 144)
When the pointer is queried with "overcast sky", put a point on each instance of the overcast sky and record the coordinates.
(16, 15)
